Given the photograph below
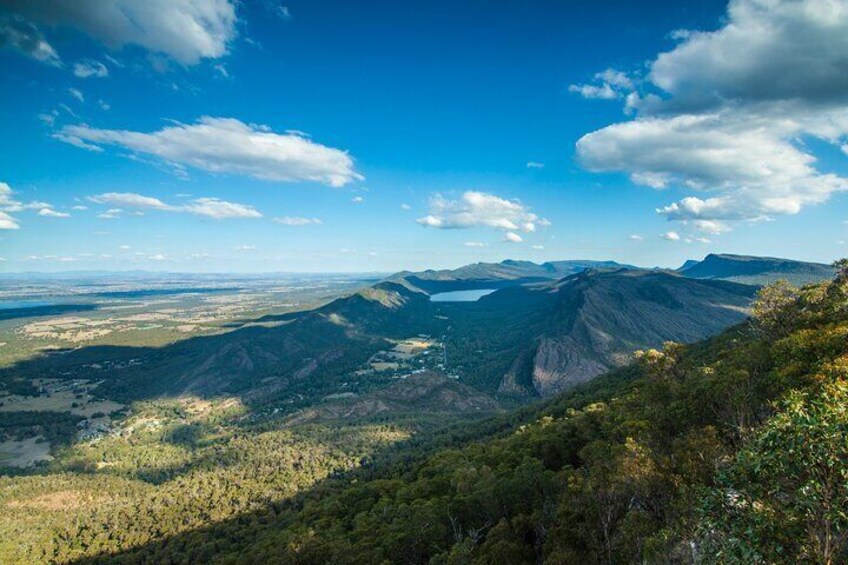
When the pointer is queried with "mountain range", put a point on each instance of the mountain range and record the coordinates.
(543, 328)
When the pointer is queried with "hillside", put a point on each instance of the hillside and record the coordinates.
(732, 450)
(756, 270)
(542, 339)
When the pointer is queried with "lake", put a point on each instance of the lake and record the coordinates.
(462, 295)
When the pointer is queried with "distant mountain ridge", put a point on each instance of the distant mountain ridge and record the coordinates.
(756, 270)
(545, 328)
(498, 275)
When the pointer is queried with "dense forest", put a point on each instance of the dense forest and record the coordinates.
(731, 450)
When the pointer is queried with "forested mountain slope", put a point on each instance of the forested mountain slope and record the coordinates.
(733, 450)
(756, 270)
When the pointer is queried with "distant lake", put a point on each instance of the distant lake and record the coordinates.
(462, 295)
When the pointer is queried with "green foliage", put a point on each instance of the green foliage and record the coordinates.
(784, 499)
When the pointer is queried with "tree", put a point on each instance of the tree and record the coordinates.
(785, 497)
(769, 313)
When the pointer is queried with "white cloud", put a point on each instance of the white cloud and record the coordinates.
(76, 93)
(157, 257)
(131, 200)
(480, 209)
(474, 244)
(10, 204)
(635, 237)
(185, 30)
(124, 247)
(513, 237)
(7, 222)
(245, 248)
(48, 119)
(111, 214)
(226, 145)
(357, 199)
(90, 68)
(209, 207)
(18, 34)
(405, 207)
(293, 221)
(537, 247)
(220, 209)
(535, 165)
(670, 236)
(726, 112)
(77, 142)
(609, 84)
(79, 207)
(50, 213)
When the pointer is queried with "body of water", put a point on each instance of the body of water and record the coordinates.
(462, 295)
(15, 304)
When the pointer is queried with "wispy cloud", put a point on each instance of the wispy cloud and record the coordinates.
(226, 145)
(294, 221)
(214, 208)
(90, 68)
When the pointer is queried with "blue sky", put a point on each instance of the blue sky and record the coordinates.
(379, 136)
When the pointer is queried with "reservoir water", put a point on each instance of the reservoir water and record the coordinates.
(462, 295)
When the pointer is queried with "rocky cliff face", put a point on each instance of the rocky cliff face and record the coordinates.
(561, 364)
(593, 322)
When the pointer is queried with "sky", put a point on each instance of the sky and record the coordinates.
(332, 136)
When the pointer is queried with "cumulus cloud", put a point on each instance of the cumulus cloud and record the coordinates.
(535, 165)
(513, 237)
(635, 237)
(474, 244)
(670, 236)
(227, 145)
(214, 208)
(185, 30)
(89, 68)
(18, 34)
(357, 199)
(405, 207)
(290, 221)
(725, 113)
(480, 209)
(10, 204)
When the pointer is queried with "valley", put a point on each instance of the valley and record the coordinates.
(282, 389)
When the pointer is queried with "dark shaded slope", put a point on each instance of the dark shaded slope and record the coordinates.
(545, 338)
